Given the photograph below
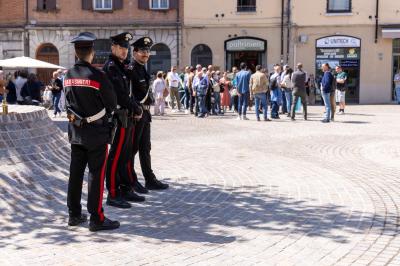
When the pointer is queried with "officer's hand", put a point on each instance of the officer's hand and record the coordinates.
(137, 117)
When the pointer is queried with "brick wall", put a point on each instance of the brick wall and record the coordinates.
(12, 13)
(71, 12)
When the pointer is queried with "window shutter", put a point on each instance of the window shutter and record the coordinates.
(39, 4)
(144, 4)
(51, 4)
(173, 4)
(87, 4)
(118, 4)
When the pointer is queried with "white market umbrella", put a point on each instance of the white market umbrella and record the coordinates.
(26, 62)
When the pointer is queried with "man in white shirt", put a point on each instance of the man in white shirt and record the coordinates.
(173, 81)
(19, 83)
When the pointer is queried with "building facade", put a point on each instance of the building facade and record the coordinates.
(360, 35)
(49, 25)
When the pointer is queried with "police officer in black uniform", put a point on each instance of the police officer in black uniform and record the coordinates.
(118, 171)
(141, 89)
(90, 99)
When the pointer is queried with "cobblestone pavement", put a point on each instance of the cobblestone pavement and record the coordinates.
(242, 193)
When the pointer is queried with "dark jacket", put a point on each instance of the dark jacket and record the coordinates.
(299, 83)
(87, 92)
(140, 79)
(32, 89)
(57, 86)
(116, 73)
(12, 93)
(327, 82)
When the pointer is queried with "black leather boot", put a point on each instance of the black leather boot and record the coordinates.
(107, 224)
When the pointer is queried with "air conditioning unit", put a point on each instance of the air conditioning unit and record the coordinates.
(303, 38)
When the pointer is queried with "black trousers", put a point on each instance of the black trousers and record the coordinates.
(303, 102)
(118, 166)
(142, 144)
(95, 158)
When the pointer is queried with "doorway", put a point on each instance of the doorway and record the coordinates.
(47, 52)
(160, 59)
(251, 58)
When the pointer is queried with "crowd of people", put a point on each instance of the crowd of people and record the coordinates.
(25, 88)
(209, 91)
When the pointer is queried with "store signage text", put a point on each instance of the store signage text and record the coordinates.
(245, 45)
(338, 41)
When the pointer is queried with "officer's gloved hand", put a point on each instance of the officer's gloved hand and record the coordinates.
(138, 113)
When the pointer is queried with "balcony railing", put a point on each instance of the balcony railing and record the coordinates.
(247, 8)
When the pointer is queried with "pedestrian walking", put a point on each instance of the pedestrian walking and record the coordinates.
(258, 88)
(173, 81)
(90, 99)
(396, 81)
(56, 87)
(242, 82)
(159, 90)
(298, 81)
(286, 85)
(341, 87)
(326, 88)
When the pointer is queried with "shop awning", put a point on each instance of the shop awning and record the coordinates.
(26, 62)
(391, 33)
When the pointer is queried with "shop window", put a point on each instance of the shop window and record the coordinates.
(46, 5)
(159, 4)
(338, 6)
(396, 46)
(102, 4)
(201, 54)
(246, 5)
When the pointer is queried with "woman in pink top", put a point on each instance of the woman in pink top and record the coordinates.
(225, 96)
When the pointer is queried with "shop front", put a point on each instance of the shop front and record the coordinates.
(346, 52)
(250, 50)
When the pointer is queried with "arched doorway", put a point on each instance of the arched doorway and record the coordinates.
(47, 52)
(160, 59)
(201, 54)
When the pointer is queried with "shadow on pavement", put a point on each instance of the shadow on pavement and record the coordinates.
(34, 204)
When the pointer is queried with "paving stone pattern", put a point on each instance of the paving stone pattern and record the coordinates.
(242, 193)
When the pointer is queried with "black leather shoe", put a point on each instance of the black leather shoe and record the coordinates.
(77, 220)
(139, 188)
(107, 224)
(155, 184)
(118, 202)
(132, 196)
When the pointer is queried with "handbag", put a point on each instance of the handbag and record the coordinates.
(233, 92)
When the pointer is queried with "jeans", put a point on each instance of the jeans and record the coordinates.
(243, 103)
(217, 102)
(326, 96)
(202, 105)
(285, 107)
(56, 101)
(398, 94)
(261, 98)
(288, 97)
(274, 109)
(187, 98)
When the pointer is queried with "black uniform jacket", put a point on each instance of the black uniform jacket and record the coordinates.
(116, 73)
(87, 92)
(141, 85)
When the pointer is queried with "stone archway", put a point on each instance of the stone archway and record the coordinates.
(160, 59)
(47, 52)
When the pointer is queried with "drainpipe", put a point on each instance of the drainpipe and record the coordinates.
(26, 33)
(376, 21)
(288, 31)
(282, 27)
(177, 34)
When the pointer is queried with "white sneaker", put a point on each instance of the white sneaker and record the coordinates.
(54, 116)
(245, 118)
(238, 118)
(174, 111)
(187, 112)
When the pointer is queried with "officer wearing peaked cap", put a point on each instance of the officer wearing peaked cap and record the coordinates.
(119, 185)
(140, 80)
(90, 100)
